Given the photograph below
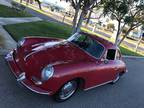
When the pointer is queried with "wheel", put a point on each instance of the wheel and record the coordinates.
(66, 91)
(116, 79)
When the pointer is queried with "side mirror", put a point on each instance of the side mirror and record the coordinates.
(106, 61)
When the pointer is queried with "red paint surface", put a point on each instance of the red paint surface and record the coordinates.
(69, 62)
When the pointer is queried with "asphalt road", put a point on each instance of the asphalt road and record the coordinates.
(127, 93)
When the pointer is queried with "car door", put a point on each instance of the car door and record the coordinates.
(112, 64)
(104, 69)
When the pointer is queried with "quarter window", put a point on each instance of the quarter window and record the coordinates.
(111, 54)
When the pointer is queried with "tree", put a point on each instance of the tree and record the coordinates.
(126, 12)
(27, 2)
(39, 3)
(141, 37)
(31, 1)
(134, 20)
(88, 18)
(81, 7)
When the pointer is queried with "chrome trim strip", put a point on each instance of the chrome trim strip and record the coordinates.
(34, 90)
(98, 85)
(21, 77)
(25, 58)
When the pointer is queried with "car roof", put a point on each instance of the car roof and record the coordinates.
(107, 44)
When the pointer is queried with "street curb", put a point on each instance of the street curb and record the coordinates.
(133, 57)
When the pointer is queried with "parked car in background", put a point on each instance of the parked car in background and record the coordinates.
(59, 67)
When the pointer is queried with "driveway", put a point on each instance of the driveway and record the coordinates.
(127, 93)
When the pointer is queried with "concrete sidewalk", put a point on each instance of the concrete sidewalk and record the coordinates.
(5, 21)
(8, 42)
(6, 2)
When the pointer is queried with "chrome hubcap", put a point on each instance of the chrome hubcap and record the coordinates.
(117, 78)
(68, 90)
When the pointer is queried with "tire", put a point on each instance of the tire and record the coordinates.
(66, 91)
(116, 79)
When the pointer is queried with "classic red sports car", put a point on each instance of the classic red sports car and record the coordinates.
(58, 67)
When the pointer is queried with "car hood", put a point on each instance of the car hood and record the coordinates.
(54, 52)
(37, 56)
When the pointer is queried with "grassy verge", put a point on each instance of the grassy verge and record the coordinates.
(40, 28)
(47, 29)
(128, 52)
(6, 11)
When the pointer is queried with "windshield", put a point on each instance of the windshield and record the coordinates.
(88, 44)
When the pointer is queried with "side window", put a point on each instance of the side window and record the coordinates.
(111, 54)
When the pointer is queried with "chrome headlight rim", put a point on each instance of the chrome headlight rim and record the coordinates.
(47, 72)
(21, 42)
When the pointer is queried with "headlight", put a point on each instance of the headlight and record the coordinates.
(21, 42)
(47, 72)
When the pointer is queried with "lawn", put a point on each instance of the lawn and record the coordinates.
(6, 11)
(40, 28)
(128, 52)
(47, 29)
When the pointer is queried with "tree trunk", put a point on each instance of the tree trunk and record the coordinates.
(89, 16)
(118, 32)
(124, 37)
(27, 2)
(93, 30)
(63, 17)
(39, 3)
(75, 20)
(138, 44)
(79, 24)
(20, 1)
